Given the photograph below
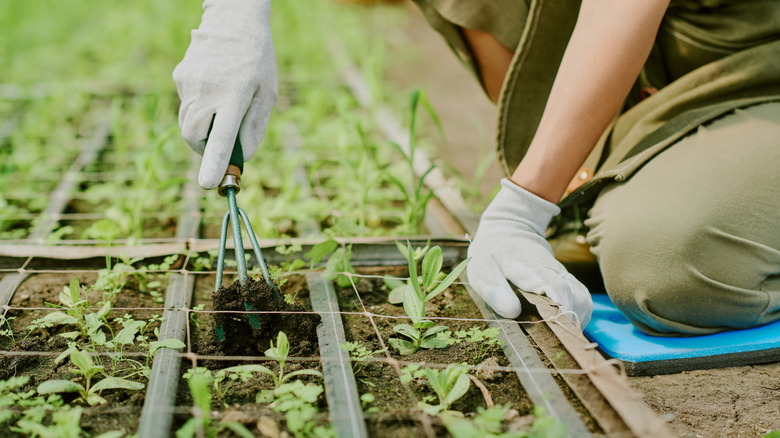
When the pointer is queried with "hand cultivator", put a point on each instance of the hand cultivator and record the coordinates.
(229, 187)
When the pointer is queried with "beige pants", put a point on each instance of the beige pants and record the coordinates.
(691, 242)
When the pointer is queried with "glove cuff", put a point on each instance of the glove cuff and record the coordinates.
(514, 202)
(248, 17)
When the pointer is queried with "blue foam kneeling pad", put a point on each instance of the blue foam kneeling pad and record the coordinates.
(643, 354)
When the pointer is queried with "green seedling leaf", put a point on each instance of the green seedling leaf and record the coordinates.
(94, 399)
(70, 335)
(281, 351)
(320, 250)
(238, 429)
(403, 346)
(413, 305)
(413, 274)
(85, 364)
(440, 340)
(396, 295)
(431, 266)
(458, 390)
(127, 334)
(59, 318)
(302, 372)
(111, 434)
(174, 344)
(422, 325)
(433, 330)
(116, 383)
(448, 280)
(59, 386)
(408, 331)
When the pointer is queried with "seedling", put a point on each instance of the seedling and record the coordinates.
(87, 369)
(339, 265)
(243, 372)
(423, 333)
(488, 423)
(298, 403)
(449, 384)
(417, 196)
(359, 354)
(479, 341)
(77, 312)
(200, 425)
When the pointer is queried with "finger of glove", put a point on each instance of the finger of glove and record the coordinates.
(195, 124)
(489, 283)
(560, 286)
(219, 146)
(255, 121)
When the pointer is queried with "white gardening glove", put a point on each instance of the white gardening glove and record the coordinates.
(228, 78)
(510, 244)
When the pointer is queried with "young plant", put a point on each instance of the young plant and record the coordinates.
(423, 333)
(359, 354)
(298, 403)
(449, 384)
(89, 393)
(200, 424)
(77, 311)
(416, 196)
(488, 423)
(479, 341)
(339, 264)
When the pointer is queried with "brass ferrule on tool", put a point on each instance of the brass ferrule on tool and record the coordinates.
(232, 179)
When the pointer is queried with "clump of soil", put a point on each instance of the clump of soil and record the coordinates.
(250, 334)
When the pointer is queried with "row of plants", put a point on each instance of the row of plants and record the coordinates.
(451, 370)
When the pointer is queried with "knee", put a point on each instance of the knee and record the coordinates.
(678, 276)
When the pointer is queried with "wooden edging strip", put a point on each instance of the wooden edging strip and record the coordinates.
(642, 421)
(346, 414)
(541, 387)
(57, 202)
(160, 401)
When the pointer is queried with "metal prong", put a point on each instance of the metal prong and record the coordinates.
(238, 242)
(259, 254)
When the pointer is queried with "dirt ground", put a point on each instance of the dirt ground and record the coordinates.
(739, 401)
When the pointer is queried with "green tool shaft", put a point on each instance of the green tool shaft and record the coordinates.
(238, 243)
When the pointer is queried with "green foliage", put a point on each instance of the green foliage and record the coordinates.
(298, 403)
(339, 265)
(488, 423)
(449, 384)
(419, 290)
(86, 368)
(359, 354)
(415, 194)
(201, 424)
(478, 341)
(77, 311)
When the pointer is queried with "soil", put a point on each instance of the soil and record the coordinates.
(239, 403)
(396, 416)
(247, 334)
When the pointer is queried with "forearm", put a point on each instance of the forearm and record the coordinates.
(609, 45)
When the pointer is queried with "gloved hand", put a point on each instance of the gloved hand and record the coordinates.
(510, 244)
(227, 83)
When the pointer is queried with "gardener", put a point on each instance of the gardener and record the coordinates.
(675, 108)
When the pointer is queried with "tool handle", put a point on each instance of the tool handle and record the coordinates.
(236, 163)
(235, 167)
